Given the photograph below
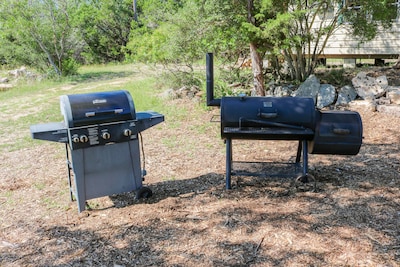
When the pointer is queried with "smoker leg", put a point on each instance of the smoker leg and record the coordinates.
(299, 148)
(305, 157)
(228, 143)
(306, 177)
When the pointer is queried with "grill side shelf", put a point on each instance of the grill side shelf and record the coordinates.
(54, 131)
(147, 119)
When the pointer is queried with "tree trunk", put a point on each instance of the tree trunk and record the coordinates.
(257, 68)
(48, 54)
(256, 60)
(397, 64)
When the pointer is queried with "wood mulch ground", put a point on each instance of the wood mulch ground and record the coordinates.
(352, 218)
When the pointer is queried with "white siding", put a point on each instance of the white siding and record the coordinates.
(343, 44)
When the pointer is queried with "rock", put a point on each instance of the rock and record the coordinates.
(5, 86)
(309, 88)
(392, 88)
(17, 73)
(281, 91)
(346, 94)
(369, 104)
(183, 92)
(326, 95)
(169, 94)
(394, 96)
(389, 109)
(199, 94)
(368, 87)
(382, 81)
(4, 80)
(382, 101)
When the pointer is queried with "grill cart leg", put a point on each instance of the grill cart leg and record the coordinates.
(228, 143)
(69, 166)
(79, 174)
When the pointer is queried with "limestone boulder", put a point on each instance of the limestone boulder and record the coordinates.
(369, 87)
(326, 95)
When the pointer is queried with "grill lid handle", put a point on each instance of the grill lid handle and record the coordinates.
(103, 112)
(268, 115)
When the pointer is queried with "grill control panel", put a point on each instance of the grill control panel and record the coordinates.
(102, 134)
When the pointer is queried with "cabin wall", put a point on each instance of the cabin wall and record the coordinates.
(343, 45)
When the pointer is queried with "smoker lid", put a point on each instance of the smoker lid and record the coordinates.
(95, 108)
(286, 112)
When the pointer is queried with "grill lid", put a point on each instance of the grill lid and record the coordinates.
(95, 108)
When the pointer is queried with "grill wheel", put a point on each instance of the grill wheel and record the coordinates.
(143, 192)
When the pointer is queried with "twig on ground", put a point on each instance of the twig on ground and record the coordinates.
(259, 245)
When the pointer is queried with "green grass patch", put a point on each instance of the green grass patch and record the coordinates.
(34, 102)
(7, 198)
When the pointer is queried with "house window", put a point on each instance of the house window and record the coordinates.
(393, 12)
(353, 5)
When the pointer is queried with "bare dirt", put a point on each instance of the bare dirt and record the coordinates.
(352, 218)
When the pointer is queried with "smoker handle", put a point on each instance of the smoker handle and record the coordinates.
(341, 131)
(268, 115)
(270, 124)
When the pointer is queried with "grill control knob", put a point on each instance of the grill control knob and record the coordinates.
(83, 138)
(75, 139)
(127, 132)
(106, 135)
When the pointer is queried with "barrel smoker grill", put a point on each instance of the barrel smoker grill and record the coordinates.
(101, 132)
(285, 118)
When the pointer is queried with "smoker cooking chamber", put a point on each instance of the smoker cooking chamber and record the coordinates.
(102, 133)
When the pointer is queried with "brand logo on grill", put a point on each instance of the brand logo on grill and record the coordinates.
(99, 101)
(267, 104)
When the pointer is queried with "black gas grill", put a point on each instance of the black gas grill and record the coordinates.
(285, 118)
(101, 132)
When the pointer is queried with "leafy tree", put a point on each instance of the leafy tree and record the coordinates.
(105, 27)
(301, 33)
(154, 35)
(294, 30)
(243, 23)
(168, 32)
(38, 33)
(298, 30)
(58, 33)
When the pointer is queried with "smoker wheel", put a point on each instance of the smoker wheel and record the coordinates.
(143, 192)
(304, 180)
